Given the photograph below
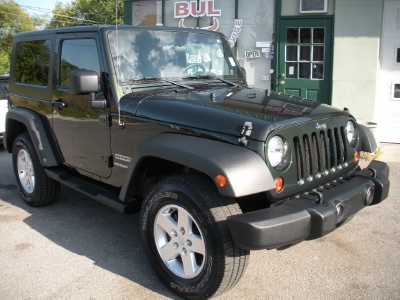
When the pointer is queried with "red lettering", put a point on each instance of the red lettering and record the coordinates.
(211, 12)
(195, 12)
(184, 9)
(181, 10)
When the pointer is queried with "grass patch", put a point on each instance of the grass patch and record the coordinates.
(372, 155)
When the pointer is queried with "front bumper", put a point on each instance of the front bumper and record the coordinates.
(311, 215)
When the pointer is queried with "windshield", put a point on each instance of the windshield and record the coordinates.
(141, 54)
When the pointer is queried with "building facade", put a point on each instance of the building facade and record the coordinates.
(341, 52)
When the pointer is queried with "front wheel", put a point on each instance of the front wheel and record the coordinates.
(187, 238)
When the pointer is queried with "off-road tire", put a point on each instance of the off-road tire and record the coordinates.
(219, 263)
(35, 187)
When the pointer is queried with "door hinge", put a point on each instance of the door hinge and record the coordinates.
(107, 160)
(107, 119)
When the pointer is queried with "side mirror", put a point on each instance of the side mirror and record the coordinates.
(86, 82)
(83, 82)
(243, 72)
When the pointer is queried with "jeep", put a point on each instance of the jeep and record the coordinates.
(162, 120)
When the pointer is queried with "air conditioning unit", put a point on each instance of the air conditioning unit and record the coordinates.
(313, 6)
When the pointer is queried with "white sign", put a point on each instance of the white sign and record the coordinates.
(185, 9)
(263, 44)
(252, 54)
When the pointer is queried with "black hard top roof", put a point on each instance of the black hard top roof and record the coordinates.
(107, 28)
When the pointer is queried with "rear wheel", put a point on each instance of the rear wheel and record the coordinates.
(35, 187)
(187, 238)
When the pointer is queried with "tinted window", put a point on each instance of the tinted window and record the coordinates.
(3, 91)
(32, 65)
(80, 54)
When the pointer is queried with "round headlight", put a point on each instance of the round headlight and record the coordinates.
(350, 132)
(276, 151)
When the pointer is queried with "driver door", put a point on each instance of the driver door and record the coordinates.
(84, 141)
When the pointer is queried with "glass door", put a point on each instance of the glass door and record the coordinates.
(305, 59)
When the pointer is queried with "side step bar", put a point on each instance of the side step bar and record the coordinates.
(95, 192)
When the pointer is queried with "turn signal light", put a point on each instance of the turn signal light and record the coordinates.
(356, 156)
(278, 184)
(221, 180)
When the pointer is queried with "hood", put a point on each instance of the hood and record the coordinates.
(225, 110)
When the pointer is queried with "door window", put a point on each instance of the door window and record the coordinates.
(78, 54)
(305, 52)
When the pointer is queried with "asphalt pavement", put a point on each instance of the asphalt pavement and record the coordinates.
(77, 248)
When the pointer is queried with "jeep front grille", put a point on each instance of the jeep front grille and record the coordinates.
(319, 152)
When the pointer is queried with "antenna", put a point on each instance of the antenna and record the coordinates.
(120, 123)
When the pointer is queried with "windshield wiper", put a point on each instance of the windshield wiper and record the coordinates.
(144, 79)
(211, 77)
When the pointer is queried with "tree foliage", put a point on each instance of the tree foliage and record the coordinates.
(79, 12)
(83, 12)
(12, 20)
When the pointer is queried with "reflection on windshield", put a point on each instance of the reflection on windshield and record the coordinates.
(170, 54)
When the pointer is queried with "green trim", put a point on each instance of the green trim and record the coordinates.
(235, 48)
(236, 9)
(278, 11)
(198, 19)
(163, 12)
(300, 86)
(278, 43)
(324, 17)
(128, 12)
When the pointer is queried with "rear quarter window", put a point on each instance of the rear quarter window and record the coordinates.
(32, 62)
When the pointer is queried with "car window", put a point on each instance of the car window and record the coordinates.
(3, 91)
(32, 62)
(78, 54)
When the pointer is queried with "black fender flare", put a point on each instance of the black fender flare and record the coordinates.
(368, 142)
(246, 172)
(39, 129)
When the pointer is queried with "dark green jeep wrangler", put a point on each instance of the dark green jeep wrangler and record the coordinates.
(161, 120)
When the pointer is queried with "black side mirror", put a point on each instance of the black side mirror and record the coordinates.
(86, 82)
(243, 72)
(83, 82)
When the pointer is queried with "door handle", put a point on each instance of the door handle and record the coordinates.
(59, 103)
(282, 82)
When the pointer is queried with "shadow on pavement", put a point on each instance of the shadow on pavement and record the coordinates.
(80, 225)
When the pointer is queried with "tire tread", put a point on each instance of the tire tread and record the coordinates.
(46, 190)
(218, 208)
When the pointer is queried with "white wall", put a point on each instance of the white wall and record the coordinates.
(388, 110)
(356, 56)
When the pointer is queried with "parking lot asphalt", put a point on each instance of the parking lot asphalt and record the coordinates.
(78, 249)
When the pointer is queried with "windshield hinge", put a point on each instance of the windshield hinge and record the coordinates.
(106, 119)
(246, 133)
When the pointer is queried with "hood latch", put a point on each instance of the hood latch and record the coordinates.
(246, 133)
